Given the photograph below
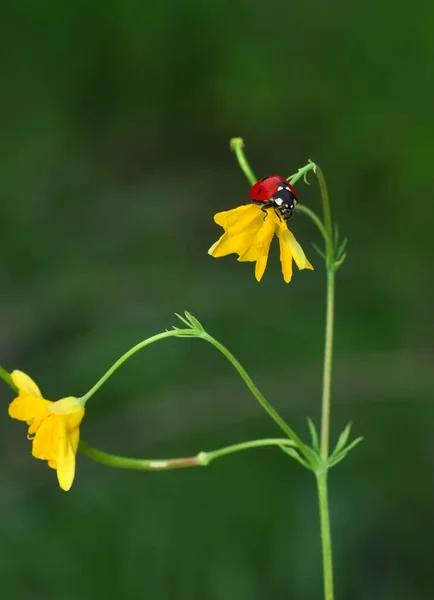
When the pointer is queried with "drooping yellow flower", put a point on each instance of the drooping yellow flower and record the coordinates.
(55, 426)
(249, 232)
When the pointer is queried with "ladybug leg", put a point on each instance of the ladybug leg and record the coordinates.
(265, 205)
(278, 213)
(262, 205)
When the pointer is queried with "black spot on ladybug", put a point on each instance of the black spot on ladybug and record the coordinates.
(259, 191)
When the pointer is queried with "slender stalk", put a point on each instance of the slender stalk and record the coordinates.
(252, 387)
(137, 464)
(325, 202)
(210, 456)
(321, 479)
(302, 172)
(237, 145)
(321, 474)
(202, 459)
(7, 379)
(313, 217)
(126, 356)
(327, 371)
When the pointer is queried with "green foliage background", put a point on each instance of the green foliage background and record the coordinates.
(115, 119)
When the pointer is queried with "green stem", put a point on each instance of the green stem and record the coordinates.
(325, 204)
(137, 464)
(247, 380)
(321, 480)
(203, 459)
(252, 387)
(8, 379)
(126, 356)
(327, 371)
(311, 166)
(210, 456)
(237, 145)
(313, 217)
(321, 474)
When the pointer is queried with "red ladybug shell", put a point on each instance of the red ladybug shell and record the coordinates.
(267, 187)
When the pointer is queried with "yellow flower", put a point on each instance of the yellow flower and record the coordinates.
(248, 233)
(54, 425)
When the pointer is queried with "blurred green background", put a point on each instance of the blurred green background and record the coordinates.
(115, 119)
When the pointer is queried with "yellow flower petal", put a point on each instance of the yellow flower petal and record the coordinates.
(234, 221)
(242, 244)
(25, 384)
(296, 250)
(28, 408)
(263, 241)
(250, 253)
(285, 257)
(46, 441)
(57, 441)
(66, 457)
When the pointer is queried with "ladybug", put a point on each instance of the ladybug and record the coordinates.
(274, 192)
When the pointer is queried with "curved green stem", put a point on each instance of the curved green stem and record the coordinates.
(311, 166)
(126, 356)
(237, 145)
(202, 459)
(313, 217)
(137, 464)
(252, 387)
(210, 456)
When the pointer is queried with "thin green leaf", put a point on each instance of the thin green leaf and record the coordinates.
(313, 434)
(338, 263)
(353, 444)
(294, 454)
(341, 248)
(320, 252)
(336, 458)
(183, 320)
(193, 321)
(343, 439)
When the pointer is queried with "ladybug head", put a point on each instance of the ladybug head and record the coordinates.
(285, 200)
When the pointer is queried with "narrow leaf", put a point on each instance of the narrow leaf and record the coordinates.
(343, 438)
(353, 444)
(193, 321)
(336, 458)
(342, 248)
(320, 252)
(183, 320)
(294, 454)
(313, 434)
(337, 264)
